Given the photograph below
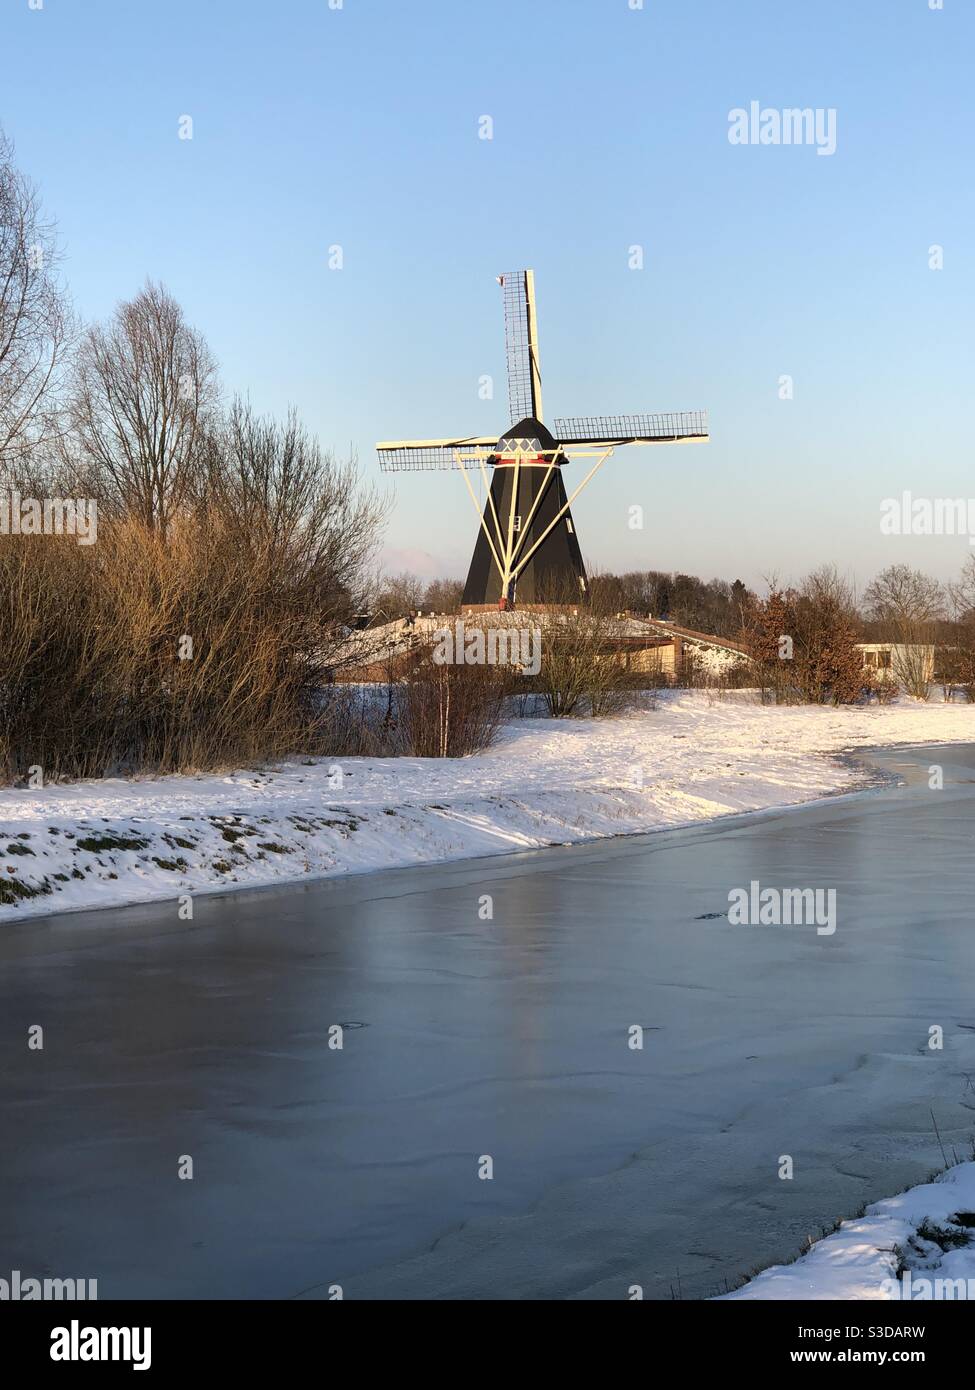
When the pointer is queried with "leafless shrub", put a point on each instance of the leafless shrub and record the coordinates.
(450, 710)
(149, 654)
(359, 722)
(882, 689)
(585, 668)
(911, 665)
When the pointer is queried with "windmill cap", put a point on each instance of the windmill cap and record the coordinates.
(533, 430)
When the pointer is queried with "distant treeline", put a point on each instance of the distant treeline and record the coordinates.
(711, 605)
(900, 600)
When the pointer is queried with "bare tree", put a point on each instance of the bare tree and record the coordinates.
(268, 484)
(583, 664)
(907, 606)
(143, 394)
(904, 601)
(443, 596)
(397, 596)
(958, 660)
(962, 593)
(35, 322)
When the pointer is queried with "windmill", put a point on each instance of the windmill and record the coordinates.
(527, 545)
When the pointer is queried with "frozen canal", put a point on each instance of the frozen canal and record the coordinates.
(505, 1038)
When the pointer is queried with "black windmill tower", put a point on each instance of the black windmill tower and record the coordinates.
(527, 548)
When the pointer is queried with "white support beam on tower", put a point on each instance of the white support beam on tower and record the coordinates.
(480, 517)
(526, 526)
(509, 547)
(561, 512)
(490, 502)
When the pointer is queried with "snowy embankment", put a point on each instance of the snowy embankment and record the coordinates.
(693, 758)
(919, 1245)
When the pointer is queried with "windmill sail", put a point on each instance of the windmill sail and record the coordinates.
(667, 428)
(422, 455)
(521, 345)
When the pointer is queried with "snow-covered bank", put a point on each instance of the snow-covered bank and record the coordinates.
(917, 1246)
(693, 758)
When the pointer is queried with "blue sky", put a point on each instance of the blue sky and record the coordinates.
(358, 126)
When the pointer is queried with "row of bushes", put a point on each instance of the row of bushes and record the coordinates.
(144, 654)
(207, 648)
(212, 644)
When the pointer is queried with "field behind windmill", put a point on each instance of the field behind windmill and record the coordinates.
(694, 756)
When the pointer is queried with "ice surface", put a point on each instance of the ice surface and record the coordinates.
(505, 1037)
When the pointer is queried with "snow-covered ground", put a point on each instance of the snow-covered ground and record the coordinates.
(692, 758)
(914, 1247)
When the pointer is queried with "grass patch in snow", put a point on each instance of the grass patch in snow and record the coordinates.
(232, 834)
(13, 891)
(95, 844)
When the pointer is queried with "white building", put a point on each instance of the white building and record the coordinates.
(898, 661)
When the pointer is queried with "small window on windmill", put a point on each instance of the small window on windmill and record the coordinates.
(516, 524)
(568, 522)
